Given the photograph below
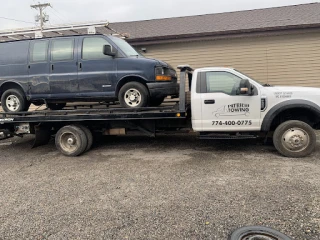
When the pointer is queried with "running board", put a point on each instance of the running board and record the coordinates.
(217, 136)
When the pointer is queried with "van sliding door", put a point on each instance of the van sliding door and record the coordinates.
(63, 68)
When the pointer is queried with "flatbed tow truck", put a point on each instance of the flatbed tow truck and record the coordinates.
(208, 105)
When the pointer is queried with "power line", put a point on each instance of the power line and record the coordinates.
(57, 16)
(59, 13)
(11, 19)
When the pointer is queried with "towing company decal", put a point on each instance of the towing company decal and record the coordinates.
(236, 109)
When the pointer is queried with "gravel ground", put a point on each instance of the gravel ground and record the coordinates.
(165, 188)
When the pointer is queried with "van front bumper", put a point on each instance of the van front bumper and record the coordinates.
(163, 89)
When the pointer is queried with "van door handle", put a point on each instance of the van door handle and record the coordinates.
(209, 101)
(52, 67)
(80, 66)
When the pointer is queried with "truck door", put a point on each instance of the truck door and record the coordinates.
(223, 108)
(97, 72)
(63, 68)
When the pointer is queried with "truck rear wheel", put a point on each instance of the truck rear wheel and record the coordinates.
(295, 139)
(89, 136)
(14, 100)
(133, 95)
(71, 141)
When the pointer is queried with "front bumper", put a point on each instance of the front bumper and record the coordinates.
(163, 89)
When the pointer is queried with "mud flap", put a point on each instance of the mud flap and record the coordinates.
(43, 136)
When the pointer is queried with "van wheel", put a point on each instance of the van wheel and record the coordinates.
(56, 106)
(71, 141)
(14, 100)
(155, 102)
(133, 95)
(295, 139)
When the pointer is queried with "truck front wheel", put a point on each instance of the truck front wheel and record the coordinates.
(295, 139)
(133, 95)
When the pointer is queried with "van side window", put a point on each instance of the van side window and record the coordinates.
(93, 48)
(62, 50)
(224, 82)
(39, 51)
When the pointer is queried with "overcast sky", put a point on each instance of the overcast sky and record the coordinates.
(72, 11)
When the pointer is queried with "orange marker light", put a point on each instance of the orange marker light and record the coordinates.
(163, 78)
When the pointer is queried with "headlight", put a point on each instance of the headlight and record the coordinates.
(163, 74)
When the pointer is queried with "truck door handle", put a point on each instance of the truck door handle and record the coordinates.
(209, 101)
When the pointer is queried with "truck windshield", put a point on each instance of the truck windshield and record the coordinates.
(125, 47)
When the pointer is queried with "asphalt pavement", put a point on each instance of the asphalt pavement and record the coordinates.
(171, 187)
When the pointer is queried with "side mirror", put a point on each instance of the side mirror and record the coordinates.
(107, 50)
(245, 87)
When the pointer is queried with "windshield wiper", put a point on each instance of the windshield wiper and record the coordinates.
(267, 85)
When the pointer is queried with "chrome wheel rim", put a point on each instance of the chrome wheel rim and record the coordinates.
(295, 139)
(69, 142)
(13, 103)
(132, 97)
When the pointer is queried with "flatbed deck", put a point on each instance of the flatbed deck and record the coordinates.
(92, 114)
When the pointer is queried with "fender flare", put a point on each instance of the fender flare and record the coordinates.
(286, 105)
(128, 76)
(12, 82)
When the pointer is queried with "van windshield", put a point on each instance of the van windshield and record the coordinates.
(125, 47)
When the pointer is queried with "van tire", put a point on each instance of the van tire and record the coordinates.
(295, 139)
(17, 97)
(56, 106)
(139, 93)
(155, 102)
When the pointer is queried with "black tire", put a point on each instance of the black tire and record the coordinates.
(137, 88)
(247, 232)
(74, 133)
(18, 97)
(155, 102)
(89, 136)
(295, 139)
(56, 106)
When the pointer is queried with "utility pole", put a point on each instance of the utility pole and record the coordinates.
(42, 17)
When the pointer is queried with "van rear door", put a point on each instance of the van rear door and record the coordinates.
(39, 69)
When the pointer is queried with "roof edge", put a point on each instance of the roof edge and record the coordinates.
(223, 33)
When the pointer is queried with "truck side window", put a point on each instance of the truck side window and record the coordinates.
(62, 50)
(39, 51)
(93, 48)
(224, 82)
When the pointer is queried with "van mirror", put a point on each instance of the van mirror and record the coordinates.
(245, 87)
(107, 50)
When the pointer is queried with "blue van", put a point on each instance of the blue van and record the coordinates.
(95, 68)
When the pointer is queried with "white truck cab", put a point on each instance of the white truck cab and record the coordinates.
(225, 100)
